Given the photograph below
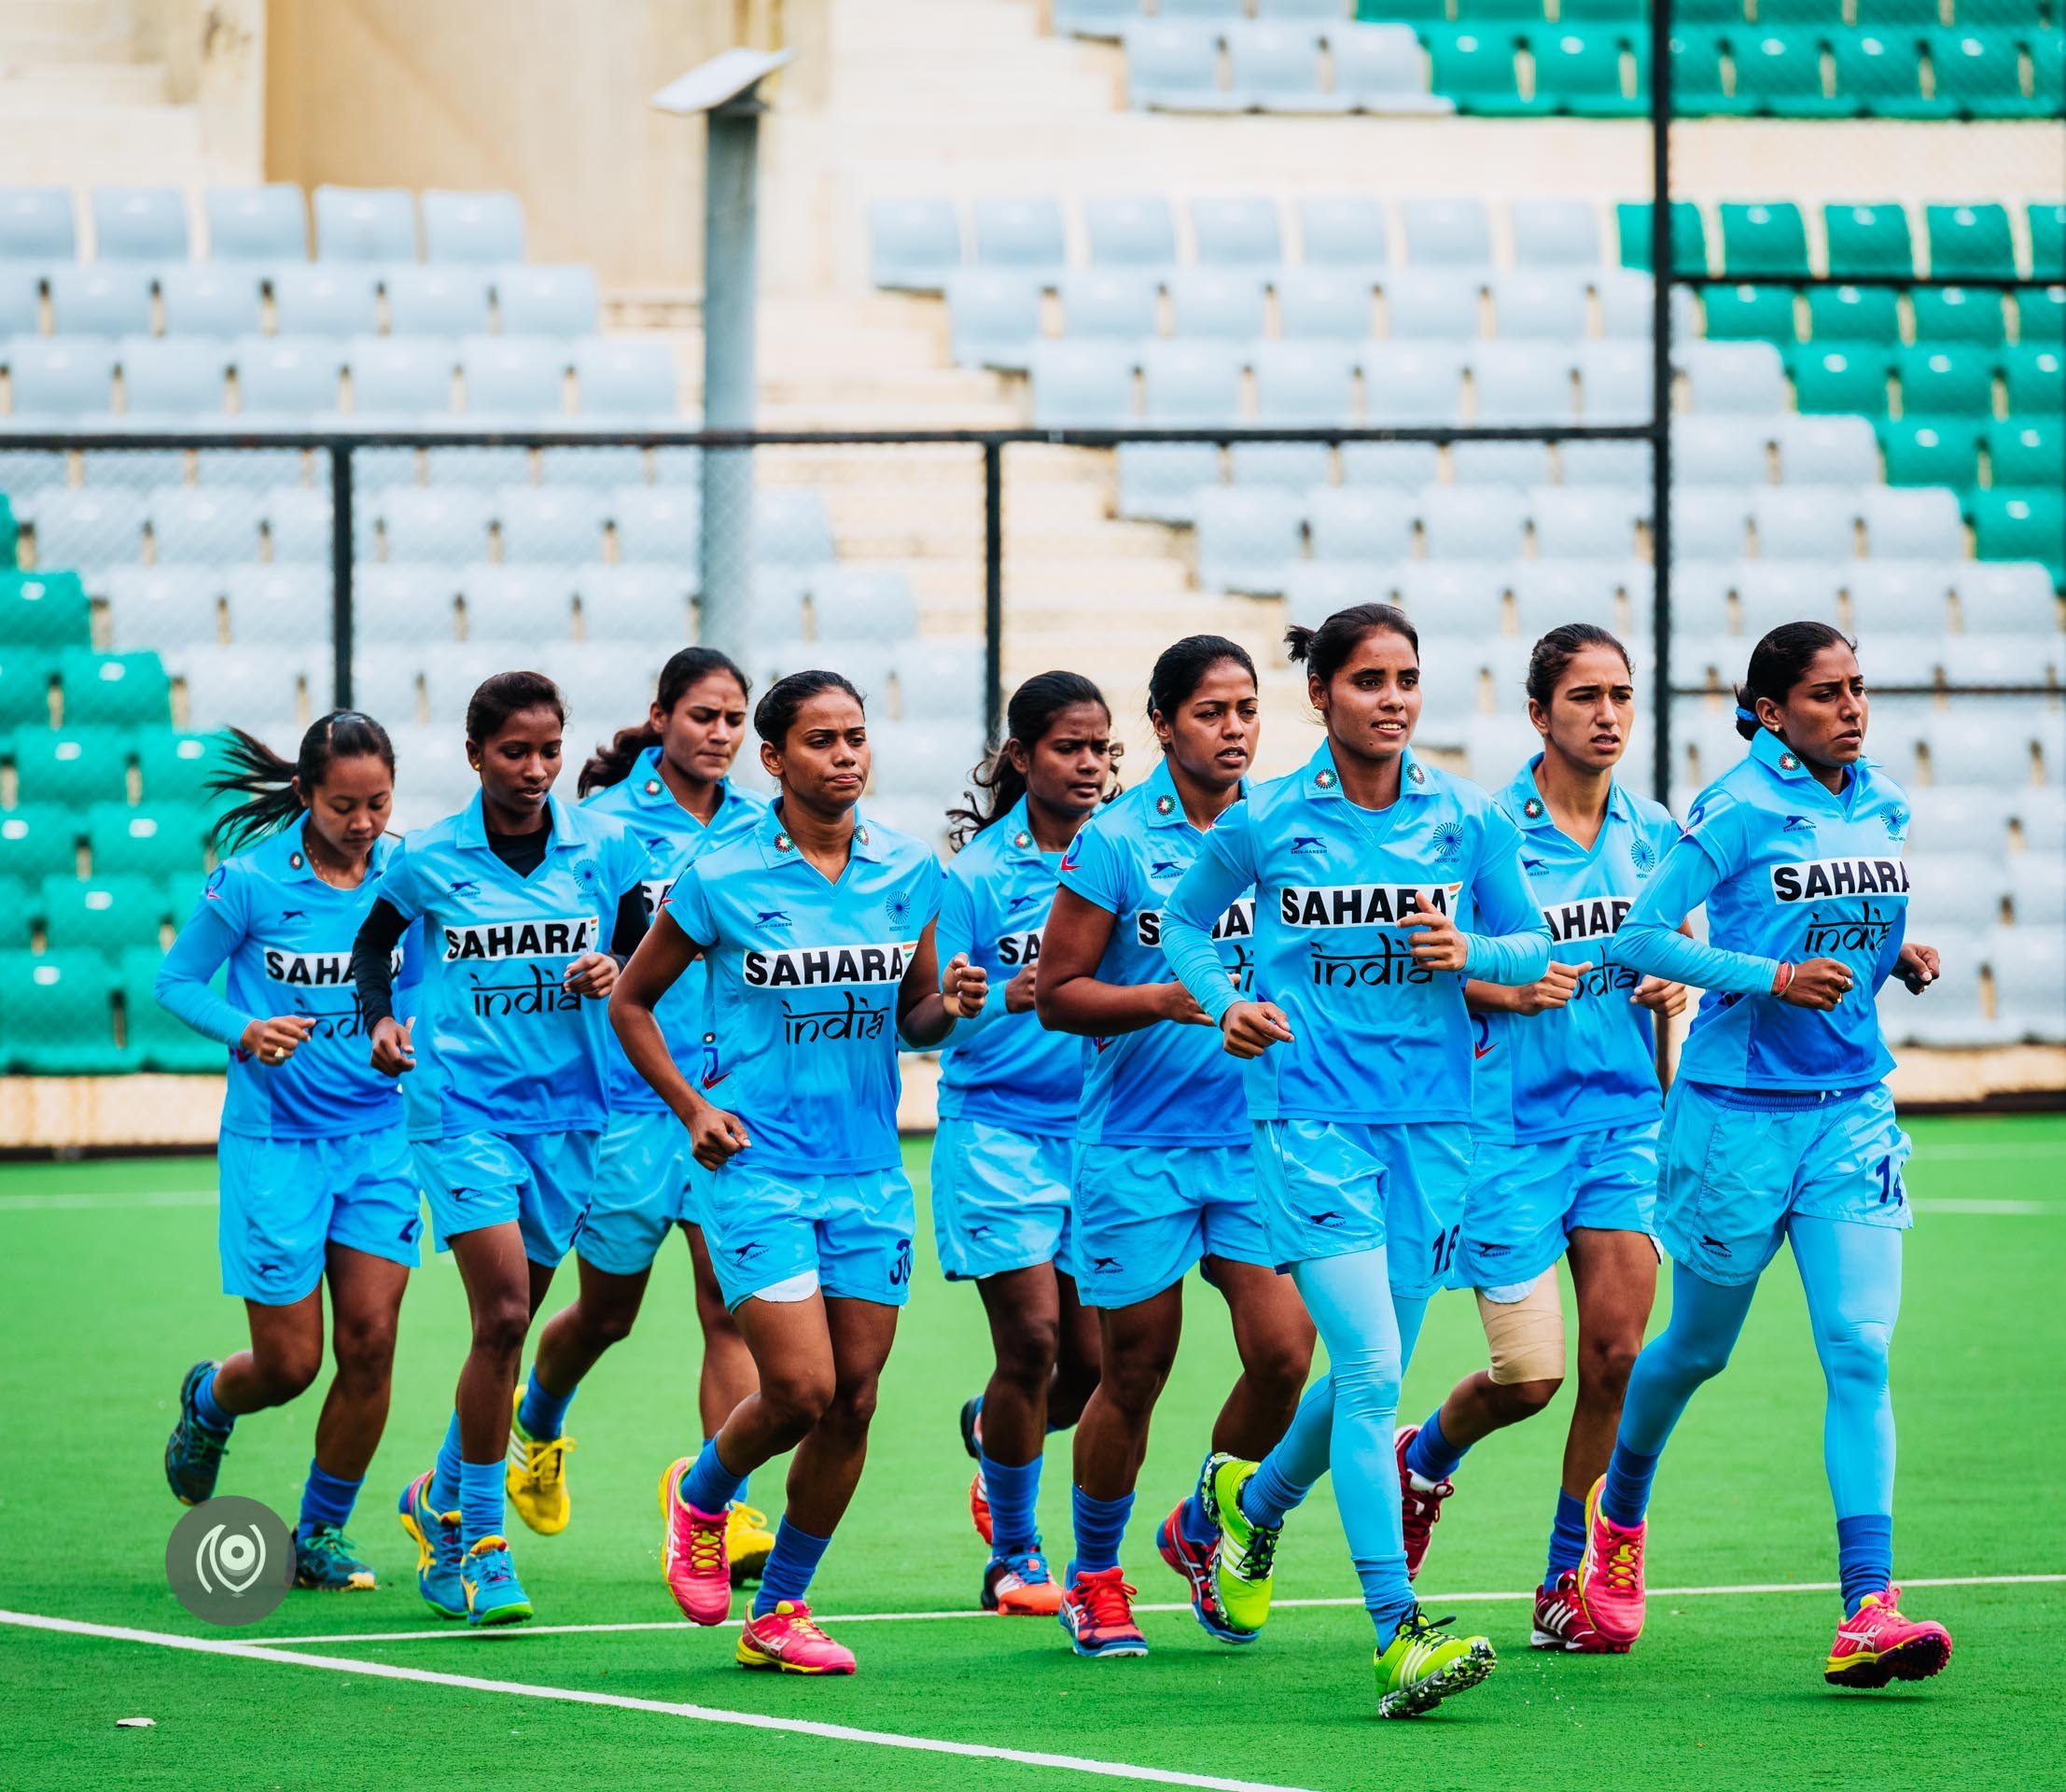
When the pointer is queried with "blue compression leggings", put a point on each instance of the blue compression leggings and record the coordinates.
(1346, 1422)
(1851, 1275)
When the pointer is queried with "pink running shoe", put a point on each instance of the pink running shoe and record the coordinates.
(1561, 1623)
(787, 1641)
(1875, 1645)
(1419, 1508)
(692, 1553)
(1610, 1577)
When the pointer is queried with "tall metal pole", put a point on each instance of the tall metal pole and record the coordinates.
(993, 590)
(1663, 268)
(343, 551)
(730, 228)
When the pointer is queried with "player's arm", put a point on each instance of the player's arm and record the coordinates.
(933, 998)
(212, 933)
(1513, 944)
(954, 937)
(655, 968)
(1069, 999)
(373, 977)
(1223, 869)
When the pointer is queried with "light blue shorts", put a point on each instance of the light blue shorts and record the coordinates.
(1526, 1199)
(852, 1231)
(644, 1188)
(1738, 1165)
(1331, 1187)
(1000, 1199)
(1146, 1213)
(284, 1199)
(540, 1180)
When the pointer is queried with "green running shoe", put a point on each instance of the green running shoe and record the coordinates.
(1246, 1555)
(328, 1561)
(1422, 1667)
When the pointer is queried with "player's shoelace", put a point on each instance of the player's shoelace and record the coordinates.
(328, 1545)
(706, 1548)
(800, 1626)
(1623, 1566)
(1029, 1569)
(1426, 1631)
(492, 1565)
(1109, 1603)
(200, 1446)
(1259, 1555)
(546, 1462)
(750, 1516)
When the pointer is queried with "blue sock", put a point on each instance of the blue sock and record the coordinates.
(444, 1478)
(1014, 1497)
(1567, 1537)
(481, 1486)
(790, 1566)
(206, 1408)
(709, 1486)
(1864, 1556)
(1625, 1496)
(739, 1495)
(543, 1413)
(1099, 1526)
(326, 1499)
(1430, 1455)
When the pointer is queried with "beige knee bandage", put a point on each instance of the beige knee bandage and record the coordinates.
(1526, 1336)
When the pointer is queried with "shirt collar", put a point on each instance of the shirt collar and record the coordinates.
(287, 859)
(472, 829)
(1784, 764)
(1016, 829)
(778, 848)
(1524, 799)
(1164, 807)
(649, 791)
(1321, 779)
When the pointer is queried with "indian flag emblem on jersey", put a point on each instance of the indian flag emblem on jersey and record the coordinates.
(1447, 840)
(1642, 855)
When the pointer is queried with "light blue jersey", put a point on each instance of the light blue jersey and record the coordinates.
(502, 1046)
(671, 837)
(805, 977)
(1163, 1084)
(1787, 872)
(1003, 1069)
(286, 938)
(1590, 1065)
(1375, 1037)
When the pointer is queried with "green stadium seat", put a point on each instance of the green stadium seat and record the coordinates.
(17, 909)
(1498, 12)
(1868, 239)
(2034, 375)
(1958, 315)
(44, 609)
(1887, 15)
(1689, 235)
(145, 841)
(1474, 66)
(1697, 89)
(176, 767)
(1830, 378)
(1819, 13)
(1578, 71)
(152, 1039)
(2049, 72)
(1931, 451)
(1779, 73)
(2041, 315)
(1604, 12)
(2049, 241)
(1879, 74)
(114, 689)
(2027, 451)
(1979, 73)
(39, 843)
(1969, 240)
(59, 1019)
(1707, 12)
(103, 915)
(1853, 314)
(1406, 12)
(75, 765)
(2022, 522)
(1767, 240)
(1748, 314)
(1937, 382)
(10, 535)
(25, 679)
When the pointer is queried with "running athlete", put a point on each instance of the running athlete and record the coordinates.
(522, 900)
(818, 927)
(667, 781)
(316, 1178)
(1565, 1112)
(1162, 1179)
(1381, 884)
(1008, 1091)
(1779, 1124)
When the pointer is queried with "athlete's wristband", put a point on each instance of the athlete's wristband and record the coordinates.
(1782, 978)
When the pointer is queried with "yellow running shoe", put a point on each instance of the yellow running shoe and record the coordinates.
(1422, 1667)
(537, 1476)
(746, 1541)
(1245, 1559)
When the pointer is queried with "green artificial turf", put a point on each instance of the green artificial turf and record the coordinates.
(110, 1293)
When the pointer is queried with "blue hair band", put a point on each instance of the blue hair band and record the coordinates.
(1748, 715)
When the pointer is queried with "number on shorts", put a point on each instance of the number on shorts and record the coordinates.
(1445, 1249)
(901, 1273)
(1889, 1180)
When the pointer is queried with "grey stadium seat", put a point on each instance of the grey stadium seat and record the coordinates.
(1413, 383)
(269, 223)
(1555, 233)
(1899, 596)
(374, 224)
(1438, 304)
(912, 243)
(1236, 232)
(88, 298)
(204, 526)
(1539, 304)
(1806, 524)
(995, 317)
(1196, 382)
(626, 377)
(1130, 232)
(557, 527)
(1247, 538)
(1216, 302)
(546, 301)
(35, 224)
(1913, 523)
(658, 525)
(1161, 480)
(1117, 302)
(1174, 65)
(163, 607)
(401, 376)
(1472, 522)
(1276, 67)
(140, 224)
(1020, 233)
(1361, 523)
(278, 606)
(1595, 522)
(862, 604)
(1342, 230)
(2009, 597)
(183, 379)
(313, 300)
(448, 525)
(1303, 383)
(485, 227)
(1826, 451)
(1380, 68)
(1447, 232)
(518, 604)
(1324, 302)
(1740, 377)
(1499, 462)
(284, 378)
(514, 376)
(1521, 382)
(1720, 451)
(437, 302)
(1083, 385)
(204, 300)
(637, 604)
(89, 528)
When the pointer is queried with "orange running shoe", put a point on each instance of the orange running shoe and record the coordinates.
(692, 1553)
(1875, 1645)
(971, 1441)
(1021, 1586)
(787, 1641)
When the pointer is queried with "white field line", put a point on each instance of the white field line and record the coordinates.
(1433, 1602)
(701, 1713)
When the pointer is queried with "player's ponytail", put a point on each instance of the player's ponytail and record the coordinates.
(1324, 650)
(277, 792)
(1552, 656)
(1030, 715)
(777, 711)
(612, 764)
(1181, 668)
(1778, 663)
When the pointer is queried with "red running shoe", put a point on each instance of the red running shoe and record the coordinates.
(1419, 1508)
(1875, 1645)
(1561, 1623)
(1194, 1561)
(1098, 1615)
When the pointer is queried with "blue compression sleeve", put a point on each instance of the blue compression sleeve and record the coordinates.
(1851, 1275)
(1224, 869)
(1649, 939)
(1514, 946)
(182, 986)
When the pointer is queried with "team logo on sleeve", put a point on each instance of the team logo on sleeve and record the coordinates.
(212, 889)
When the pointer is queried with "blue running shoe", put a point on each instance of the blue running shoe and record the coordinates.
(328, 1561)
(495, 1595)
(436, 1535)
(193, 1452)
(1195, 1562)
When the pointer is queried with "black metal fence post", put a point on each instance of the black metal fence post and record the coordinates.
(1663, 267)
(342, 551)
(993, 590)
